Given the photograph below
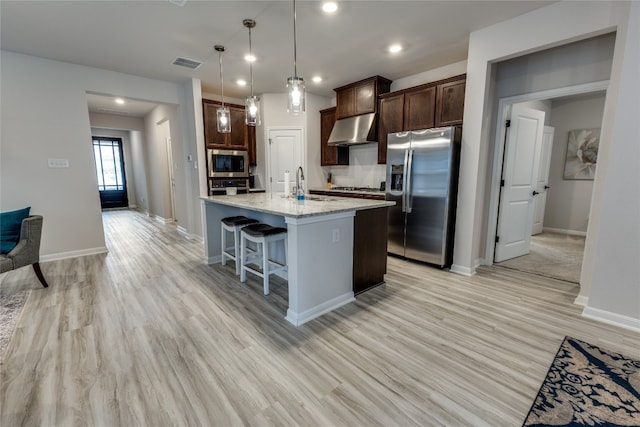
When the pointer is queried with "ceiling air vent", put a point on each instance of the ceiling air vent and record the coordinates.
(186, 62)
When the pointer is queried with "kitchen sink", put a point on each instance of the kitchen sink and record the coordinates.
(317, 198)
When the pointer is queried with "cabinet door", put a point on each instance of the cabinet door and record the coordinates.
(251, 141)
(390, 119)
(419, 109)
(365, 98)
(345, 103)
(213, 139)
(330, 156)
(450, 103)
(238, 136)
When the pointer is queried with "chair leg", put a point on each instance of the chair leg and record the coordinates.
(36, 268)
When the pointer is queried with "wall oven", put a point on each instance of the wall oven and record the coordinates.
(228, 164)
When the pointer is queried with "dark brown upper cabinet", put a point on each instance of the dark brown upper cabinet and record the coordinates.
(330, 155)
(242, 137)
(360, 97)
(426, 106)
(450, 105)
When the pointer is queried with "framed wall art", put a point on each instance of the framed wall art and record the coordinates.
(582, 154)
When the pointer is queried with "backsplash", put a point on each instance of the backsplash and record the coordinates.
(363, 169)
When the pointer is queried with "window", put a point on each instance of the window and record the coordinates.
(107, 153)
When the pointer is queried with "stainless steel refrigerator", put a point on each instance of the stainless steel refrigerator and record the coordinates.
(422, 178)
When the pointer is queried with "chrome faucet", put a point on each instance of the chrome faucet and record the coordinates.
(299, 181)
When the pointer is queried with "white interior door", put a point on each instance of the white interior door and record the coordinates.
(542, 183)
(285, 154)
(520, 168)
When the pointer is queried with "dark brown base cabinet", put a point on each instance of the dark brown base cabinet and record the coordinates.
(426, 106)
(369, 249)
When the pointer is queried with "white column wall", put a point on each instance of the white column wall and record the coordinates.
(547, 27)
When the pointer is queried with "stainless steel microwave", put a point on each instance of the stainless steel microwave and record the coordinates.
(228, 164)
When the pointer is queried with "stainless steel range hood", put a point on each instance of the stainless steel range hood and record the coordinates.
(354, 130)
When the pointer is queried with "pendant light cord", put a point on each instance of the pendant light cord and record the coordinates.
(221, 78)
(251, 62)
(295, 69)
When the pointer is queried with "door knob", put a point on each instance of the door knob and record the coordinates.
(546, 187)
(535, 192)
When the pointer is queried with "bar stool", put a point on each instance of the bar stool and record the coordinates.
(233, 224)
(262, 235)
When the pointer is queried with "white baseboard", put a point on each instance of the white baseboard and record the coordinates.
(563, 231)
(464, 271)
(612, 318)
(300, 318)
(162, 220)
(581, 300)
(74, 254)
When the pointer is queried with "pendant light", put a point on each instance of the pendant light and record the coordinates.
(295, 84)
(252, 113)
(223, 114)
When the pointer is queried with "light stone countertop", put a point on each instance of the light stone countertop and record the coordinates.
(313, 205)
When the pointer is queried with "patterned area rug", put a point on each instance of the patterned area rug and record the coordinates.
(10, 309)
(588, 386)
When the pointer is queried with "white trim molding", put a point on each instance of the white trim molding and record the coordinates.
(298, 319)
(74, 254)
(612, 318)
(563, 231)
(462, 270)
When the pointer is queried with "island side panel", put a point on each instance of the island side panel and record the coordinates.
(319, 267)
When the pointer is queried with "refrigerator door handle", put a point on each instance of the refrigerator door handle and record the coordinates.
(408, 202)
(404, 181)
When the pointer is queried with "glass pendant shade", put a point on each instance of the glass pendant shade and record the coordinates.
(224, 120)
(295, 95)
(252, 116)
(223, 114)
(252, 109)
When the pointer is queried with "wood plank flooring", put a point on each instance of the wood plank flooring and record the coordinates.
(147, 335)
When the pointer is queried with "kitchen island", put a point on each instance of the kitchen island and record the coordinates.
(320, 238)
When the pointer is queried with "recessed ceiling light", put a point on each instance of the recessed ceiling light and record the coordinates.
(119, 101)
(395, 48)
(330, 6)
(316, 79)
(250, 58)
(241, 82)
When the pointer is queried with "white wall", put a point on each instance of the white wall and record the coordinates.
(44, 115)
(615, 282)
(523, 35)
(138, 158)
(274, 116)
(429, 76)
(569, 201)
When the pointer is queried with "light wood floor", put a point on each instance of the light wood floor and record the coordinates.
(149, 335)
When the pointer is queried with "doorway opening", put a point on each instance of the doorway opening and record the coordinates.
(568, 201)
(109, 161)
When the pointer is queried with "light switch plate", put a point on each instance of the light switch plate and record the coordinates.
(58, 163)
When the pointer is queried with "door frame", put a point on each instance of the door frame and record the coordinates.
(504, 111)
(303, 153)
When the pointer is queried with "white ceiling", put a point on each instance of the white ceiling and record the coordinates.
(143, 38)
